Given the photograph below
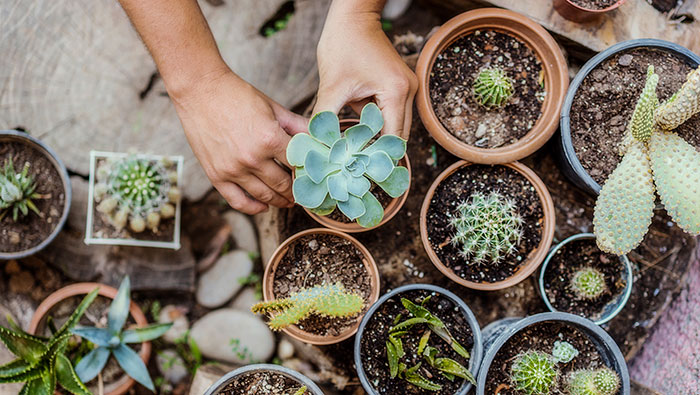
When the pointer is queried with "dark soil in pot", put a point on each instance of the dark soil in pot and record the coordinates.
(377, 191)
(572, 257)
(541, 337)
(606, 99)
(323, 259)
(262, 382)
(458, 187)
(452, 78)
(30, 230)
(594, 4)
(373, 344)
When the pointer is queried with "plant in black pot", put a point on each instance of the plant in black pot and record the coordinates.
(264, 379)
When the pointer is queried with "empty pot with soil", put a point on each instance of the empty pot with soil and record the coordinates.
(578, 278)
(35, 195)
(491, 85)
(487, 227)
(264, 379)
(418, 339)
(318, 285)
(601, 99)
(585, 10)
(551, 353)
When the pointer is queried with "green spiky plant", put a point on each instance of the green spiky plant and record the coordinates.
(337, 170)
(138, 191)
(486, 227)
(563, 352)
(602, 381)
(588, 283)
(41, 362)
(492, 87)
(17, 192)
(300, 391)
(534, 373)
(654, 158)
(114, 340)
(331, 300)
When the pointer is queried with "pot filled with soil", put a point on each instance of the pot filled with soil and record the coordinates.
(487, 227)
(418, 339)
(338, 221)
(264, 379)
(57, 308)
(551, 353)
(578, 278)
(318, 285)
(585, 10)
(601, 99)
(35, 195)
(491, 85)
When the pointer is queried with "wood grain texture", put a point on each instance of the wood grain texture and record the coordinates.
(72, 72)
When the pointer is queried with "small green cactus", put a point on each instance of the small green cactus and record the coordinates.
(603, 381)
(300, 391)
(563, 352)
(492, 87)
(534, 373)
(486, 227)
(326, 300)
(588, 283)
(17, 192)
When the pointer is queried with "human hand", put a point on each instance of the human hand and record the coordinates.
(240, 137)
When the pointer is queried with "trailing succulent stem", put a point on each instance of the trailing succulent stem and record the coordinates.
(486, 227)
(492, 87)
(330, 300)
(603, 381)
(588, 283)
(334, 169)
(534, 373)
(17, 192)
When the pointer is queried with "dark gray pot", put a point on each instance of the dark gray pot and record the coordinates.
(497, 333)
(24, 138)
(228, 377)
(475, 353)
(569, 163)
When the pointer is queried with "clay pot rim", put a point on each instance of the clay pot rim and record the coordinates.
(228, 377)
(390, 211)
(553, 64)
(534, 258)
(596, 11)
(50, 154)
(276, 258)
(125, 383)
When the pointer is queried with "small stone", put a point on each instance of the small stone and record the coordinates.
(176, 316)
(218, 284)
(313, 244)
(625, 60)
(245, 300)
(285, 349)
(171, 366)
(481, 131)
(242, 231)
(14, 237)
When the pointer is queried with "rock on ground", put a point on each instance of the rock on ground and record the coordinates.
(177, 316)
(218, 284)
(171, 366)
(242, 231)
(245, 300)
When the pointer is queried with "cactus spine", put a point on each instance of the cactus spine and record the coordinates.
(492, 87)
(534, 373)
(588, 283)
(603, 381)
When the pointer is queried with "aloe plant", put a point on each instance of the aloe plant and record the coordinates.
(17, 192)
(41, 362)
(337, 170)
(113, 340)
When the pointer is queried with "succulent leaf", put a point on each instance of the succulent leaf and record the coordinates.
(67, 377)
(374, 212)
(683, 104)
(412, 376)
(339, 152)
(454, 368)
(353, 208)
(338, 187)
(119, 309)
(146, 334)
(358, 186)
(327, 207)
(318, 167)
(132, 365)
(372, 116)
(642, 123)
(99, 336)
(23, 346)
(14, 368)
(564, 352)
(397, 183)
(92, 364)
(394, 146)
(308, 193)
(300, 145)
(325, 127)
(358, 136)
(380, 166)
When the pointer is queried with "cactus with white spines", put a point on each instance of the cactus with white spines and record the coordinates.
(492, 87)
(602, 381)
(588, 283)
(534, 373)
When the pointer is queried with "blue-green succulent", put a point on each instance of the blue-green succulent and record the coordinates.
(334, 169)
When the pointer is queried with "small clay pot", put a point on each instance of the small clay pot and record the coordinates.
(573, 12)
(11, 136)
(389, 211)
(556, 80)
(122, 385)
(269, 276)
(230, 376)
(534, 258)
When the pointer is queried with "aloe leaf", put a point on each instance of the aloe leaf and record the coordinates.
(394, 146)
(421, 312)
(132, 365)
(429, 353)
(445, 335)
(374, 212)
(380, 166)
(23, 345)
(327, 207)
(423, 341)
(339, 152)
(358, 136)
(453, 367)
(353, 208)
(393, 358)
(67, 377)
(372, 116)
(14, 368)
(119, 309)
(99, 336)
(27, 375)
(308, 193)
(317, 166)
(325, 127)
(397, 183)
(77, 314)
(140, 335)
(48, 377)
(408, 324)
(412, 376)
(300, 145)
(92, 364)
(338, 187)
(35, 387)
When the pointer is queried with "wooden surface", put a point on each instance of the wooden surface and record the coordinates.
(72, 72)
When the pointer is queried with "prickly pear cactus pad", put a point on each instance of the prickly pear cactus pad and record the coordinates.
(681, 106)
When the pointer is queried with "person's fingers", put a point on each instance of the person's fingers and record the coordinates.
(329, 100)
(238, 200)
(394, 111)
(274, 176)
(291, 123)
(276, 147)
(263, 193)
(358, 105)
(408, 119)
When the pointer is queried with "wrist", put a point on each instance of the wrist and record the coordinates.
(188, 77)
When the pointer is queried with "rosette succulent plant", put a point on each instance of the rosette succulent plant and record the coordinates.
(492, 87)
(17, 192)
(654, 158)
(335, 169)
(588, 283)
(564, 352)
(603, 381)
(140, 191)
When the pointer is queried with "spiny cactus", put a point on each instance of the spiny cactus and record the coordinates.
(534, 373)
(492, 87)
(327, 300)
(603, 381)
(17, 192)
(337, 170)
(486, 227)
(588, 283)
(563, 352)
(140, 191)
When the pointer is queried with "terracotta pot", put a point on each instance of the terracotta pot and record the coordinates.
(534, 258)
(268, 283)
(389, 211)
(122, 385)
(23, 138)
(555, 76)
(576, 13)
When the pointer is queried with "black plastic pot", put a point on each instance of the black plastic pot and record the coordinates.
(497, 333)
(475, 353)
(568, 161)
(228, 377)
(24, 138)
